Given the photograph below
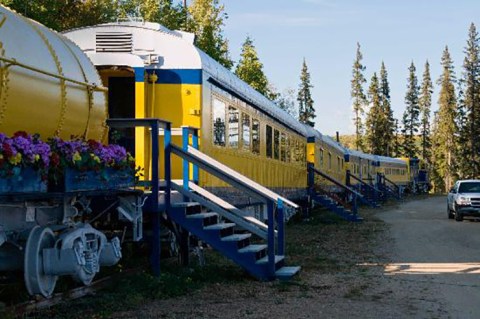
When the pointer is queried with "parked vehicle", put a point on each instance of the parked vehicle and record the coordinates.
(464, 199)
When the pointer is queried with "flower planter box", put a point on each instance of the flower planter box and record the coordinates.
(105, 179)
(27, 180)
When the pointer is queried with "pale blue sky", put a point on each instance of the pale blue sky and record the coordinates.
(325, 32)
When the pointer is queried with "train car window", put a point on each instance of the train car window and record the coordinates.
(218, 122)
(256, 136)
(276, 144)
(342, 164)
(303, 158)
(246, 131)
(287, 149)
(338, 163)
(233, 119)
(321, 157)
(269, 141)
(283, 147)
(329, 160)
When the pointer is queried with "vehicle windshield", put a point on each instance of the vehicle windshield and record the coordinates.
(469, 187)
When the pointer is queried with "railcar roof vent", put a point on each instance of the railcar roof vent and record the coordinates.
(114, 42)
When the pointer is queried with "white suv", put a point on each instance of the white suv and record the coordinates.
(464, 199)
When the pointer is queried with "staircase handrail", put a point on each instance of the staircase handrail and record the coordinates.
(192, 155)
(331, 179)
(364, 183)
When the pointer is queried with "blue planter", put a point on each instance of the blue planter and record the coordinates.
(106, 179)
(26, 180)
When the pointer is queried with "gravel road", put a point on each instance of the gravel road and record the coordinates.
(441, 253)
(421, 265)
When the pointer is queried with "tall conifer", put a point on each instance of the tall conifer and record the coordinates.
(306, 112)
(358, 97)
(446, 128)
(411, 122)
(425, 103)
(250, 69)
(469, 114)
(387, 120)
(373, 121)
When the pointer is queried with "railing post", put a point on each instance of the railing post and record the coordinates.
(310, 176)
(271, 238)
(168, 172)
(195, 146)
(186, 164)
(281, 227)
(154, 202)
(347, 179)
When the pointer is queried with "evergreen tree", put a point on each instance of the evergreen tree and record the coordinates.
(387, 121)
(438, 183)
(66, 14)
(358, 97)
(373, 122)
(411, 122)
(250, 69)
(469, 112)
(425, 103)
(306, 112)
(206, 19)
(446, 128)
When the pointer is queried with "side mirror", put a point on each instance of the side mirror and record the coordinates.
(452, 190)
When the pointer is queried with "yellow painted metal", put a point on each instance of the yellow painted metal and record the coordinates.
(47, 84)
(311, 153)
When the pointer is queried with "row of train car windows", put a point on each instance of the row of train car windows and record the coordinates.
(242, 127)
(340, 162)
(394, 171)
(365, 169)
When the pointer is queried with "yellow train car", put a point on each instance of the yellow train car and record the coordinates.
(151, 71)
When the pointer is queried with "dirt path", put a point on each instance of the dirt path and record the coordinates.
(418, 264)
(439, 253)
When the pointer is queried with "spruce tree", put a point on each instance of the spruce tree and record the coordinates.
(425, 103)
(411, 122)
(306, 111)
(250, 69)
(286, 101)
(470, 108)
(387, 121)
(373, 130)
(358, 97)
(206, 20)
(446, 128)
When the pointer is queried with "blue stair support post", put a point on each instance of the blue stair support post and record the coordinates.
(155, 189)
(310, 184)
(186, 164)
(167, 164)
(194, 131)
(271, 239)
(281, 228)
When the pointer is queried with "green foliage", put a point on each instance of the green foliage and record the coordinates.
(425, 103)
(411, 122)
(206, 19)
(250, 69)
(358, 97)
(373, 121)
(468, 117)
(66, 14)
(306, 112)
(386, 133)
(165, 12)
(445, 129)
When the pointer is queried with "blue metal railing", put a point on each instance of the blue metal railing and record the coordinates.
(152, 203)
(376, 192)
(274, 204)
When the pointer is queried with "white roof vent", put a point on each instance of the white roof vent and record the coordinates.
(114, 42)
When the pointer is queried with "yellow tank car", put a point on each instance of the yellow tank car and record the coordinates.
(47, 84)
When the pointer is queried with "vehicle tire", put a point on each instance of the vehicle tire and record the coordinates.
(458, 216)
(450, 213)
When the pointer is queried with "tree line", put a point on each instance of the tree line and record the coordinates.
(448, 143)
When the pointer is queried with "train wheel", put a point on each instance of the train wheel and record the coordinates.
(36, 281)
